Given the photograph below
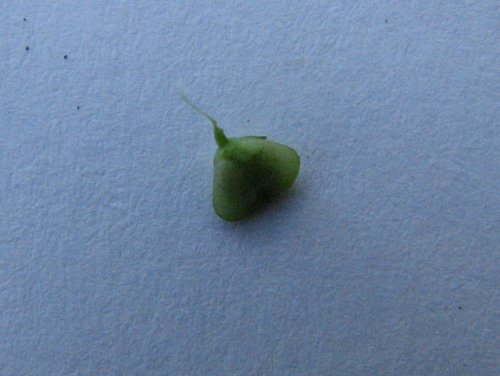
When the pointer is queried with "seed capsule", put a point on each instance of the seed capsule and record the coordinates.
(248, 171)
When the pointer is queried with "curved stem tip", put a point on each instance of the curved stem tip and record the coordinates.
(220, 137)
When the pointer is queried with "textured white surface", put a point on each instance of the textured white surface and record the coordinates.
(383, 260)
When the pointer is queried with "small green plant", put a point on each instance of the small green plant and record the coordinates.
(248, 171)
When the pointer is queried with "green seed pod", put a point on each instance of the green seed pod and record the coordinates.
(248, 171)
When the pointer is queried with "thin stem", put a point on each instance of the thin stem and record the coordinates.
(220, 137)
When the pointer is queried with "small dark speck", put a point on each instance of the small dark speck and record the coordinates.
(460, 307)
(27, 48)
(386, 21)
(65, 57)
(77, 107)
(25, 19)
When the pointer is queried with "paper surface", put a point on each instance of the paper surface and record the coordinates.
(382, 260)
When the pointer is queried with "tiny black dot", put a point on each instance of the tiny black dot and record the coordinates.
(65, 57)
(77, 107)
(24, 19)
(27, 48)
(386, 21)
(460, 307)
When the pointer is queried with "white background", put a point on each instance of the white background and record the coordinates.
(382, 260)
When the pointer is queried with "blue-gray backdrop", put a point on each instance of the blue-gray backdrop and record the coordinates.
(382, 260)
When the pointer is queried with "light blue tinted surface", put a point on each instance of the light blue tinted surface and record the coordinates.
(383, 260)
